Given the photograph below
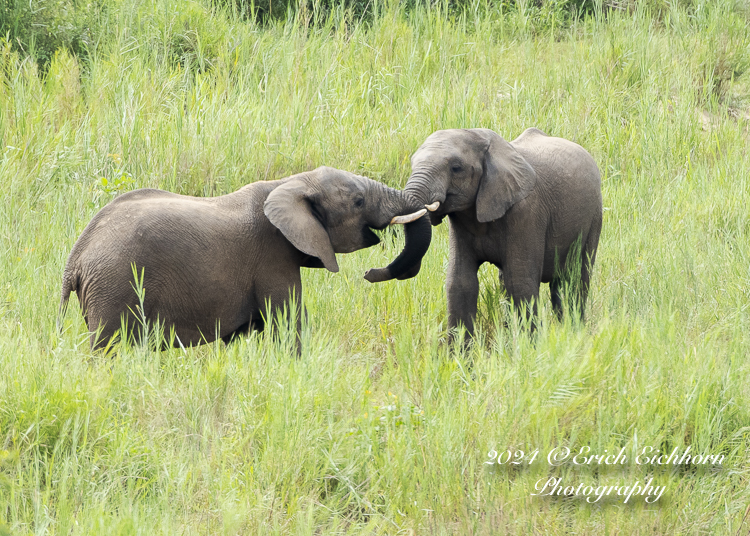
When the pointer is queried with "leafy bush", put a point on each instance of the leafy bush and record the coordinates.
(194, 36)
(725, 54)
(42, 27)
(271, 10)
(320, 10)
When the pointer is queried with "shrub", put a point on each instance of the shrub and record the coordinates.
(725, 55)
(195, 37)
(319, 10)
(42, 27)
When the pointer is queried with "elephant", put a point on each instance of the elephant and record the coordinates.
(211, 265)
(522, 206)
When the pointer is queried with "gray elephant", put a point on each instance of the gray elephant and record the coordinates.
(520, 205)
(211, 265)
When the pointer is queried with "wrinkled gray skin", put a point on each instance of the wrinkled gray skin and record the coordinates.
(211, 264)
(518, 205)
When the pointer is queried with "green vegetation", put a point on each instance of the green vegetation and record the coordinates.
(381, 428)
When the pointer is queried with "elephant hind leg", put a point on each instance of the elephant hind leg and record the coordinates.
(569, 284)
(569, 293)
(524, 295)
(241, 330)
(257, 324)
(555, 290)
(103, 336)
(254, 324)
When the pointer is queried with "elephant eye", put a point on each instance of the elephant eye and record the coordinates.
(456, 168)
(359, 202)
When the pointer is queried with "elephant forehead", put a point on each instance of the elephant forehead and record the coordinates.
(453, 135)
(436, 154)
(447, 144)
(339, 187)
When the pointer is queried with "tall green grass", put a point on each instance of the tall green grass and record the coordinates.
(381, 427)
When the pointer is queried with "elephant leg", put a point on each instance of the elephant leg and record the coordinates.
(524, 295)
(577, 292)
(257, 324)
(106, 328)
(523, 275)
(242, 330)
(555, 290)
(462, 286)
(285, 301)
(100, 337)
(569, 285)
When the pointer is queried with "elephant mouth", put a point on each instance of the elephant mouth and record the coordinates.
(369, 238)
(437, 210)
(436, 219)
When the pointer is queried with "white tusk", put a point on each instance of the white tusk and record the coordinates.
(409, 217)
(433, 207)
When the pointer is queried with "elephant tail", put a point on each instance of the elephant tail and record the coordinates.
(590, 246)
(588, 256)
(70, 284)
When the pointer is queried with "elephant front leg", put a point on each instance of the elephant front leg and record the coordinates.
(522, 285)
(283, 308)
(462, 288)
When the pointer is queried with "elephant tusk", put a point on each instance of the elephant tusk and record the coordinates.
(433, 207)
(408, 218)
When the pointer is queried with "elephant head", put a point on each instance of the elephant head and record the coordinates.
(462, 169)
(328, 211)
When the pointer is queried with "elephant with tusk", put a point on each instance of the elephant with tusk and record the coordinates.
(520, 205)
(211, 265)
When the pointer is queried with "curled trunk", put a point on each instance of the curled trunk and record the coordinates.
(407, 264)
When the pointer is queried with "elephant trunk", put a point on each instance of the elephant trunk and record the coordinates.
(422, 183)
(425, 187)
(418, 237)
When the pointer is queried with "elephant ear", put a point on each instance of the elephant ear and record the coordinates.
(290, 208)
(507, 179)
